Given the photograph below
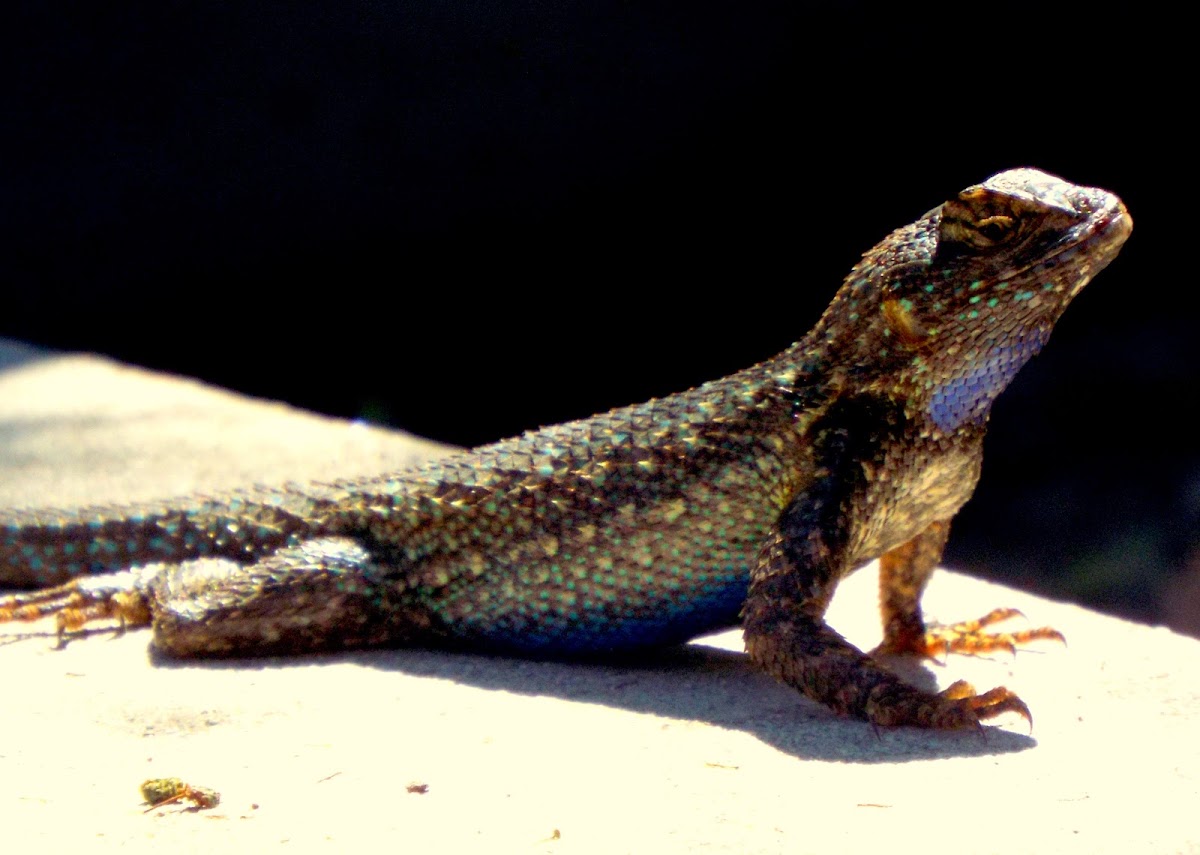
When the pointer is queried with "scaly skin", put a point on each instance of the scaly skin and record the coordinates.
(750, 496)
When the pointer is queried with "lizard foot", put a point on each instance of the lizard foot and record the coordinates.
(79, 602)
(970, 637)
(956, 707)
(804, 652)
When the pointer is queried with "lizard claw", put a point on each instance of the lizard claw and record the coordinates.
(990, 704)
(958, 706)
(971, 637)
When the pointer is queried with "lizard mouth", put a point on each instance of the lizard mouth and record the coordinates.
(1109, 233)
(1085, 251)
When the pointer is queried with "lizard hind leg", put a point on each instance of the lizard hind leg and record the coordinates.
(118, 597)
(323, 594)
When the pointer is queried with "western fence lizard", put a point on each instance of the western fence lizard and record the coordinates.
(747, 497)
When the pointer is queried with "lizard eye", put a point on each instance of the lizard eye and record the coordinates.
(979, 221)
(997, 229)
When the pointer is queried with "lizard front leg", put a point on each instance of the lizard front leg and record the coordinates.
(903, 574)
(786, 634)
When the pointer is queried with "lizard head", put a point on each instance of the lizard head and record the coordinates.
(946, 311)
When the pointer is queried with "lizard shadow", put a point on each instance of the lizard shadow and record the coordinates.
(692, 682)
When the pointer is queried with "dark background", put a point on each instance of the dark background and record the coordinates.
(469, 219)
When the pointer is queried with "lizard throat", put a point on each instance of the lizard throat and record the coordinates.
(967, 396)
